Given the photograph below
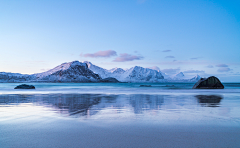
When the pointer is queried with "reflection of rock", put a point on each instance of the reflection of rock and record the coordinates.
(209, 100)
(169, 85)
(25, 86)
(209, 83)
(145, 102)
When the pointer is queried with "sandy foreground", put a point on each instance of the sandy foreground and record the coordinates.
(69, 133)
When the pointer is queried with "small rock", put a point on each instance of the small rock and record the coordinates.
(209, 83)
(145, 85)
(25, 86)
(169, 85)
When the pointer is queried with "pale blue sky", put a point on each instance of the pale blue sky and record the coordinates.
(198, 36)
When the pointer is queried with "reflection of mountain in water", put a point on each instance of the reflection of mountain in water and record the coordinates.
(71, 104)
(78, 105)
(86, 104)
(145, 102)
(209, 100)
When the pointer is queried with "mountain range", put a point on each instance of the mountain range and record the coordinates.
(87, 72)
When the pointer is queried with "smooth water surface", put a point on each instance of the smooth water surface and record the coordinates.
(115, 88)
(119, 115)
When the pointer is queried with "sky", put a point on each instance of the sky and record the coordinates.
(194, 37)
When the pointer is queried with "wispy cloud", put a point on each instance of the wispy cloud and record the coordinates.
(209, 66)
(127, 57)
(104, 54)
(224, 69)
(169, 57)
(170, 71)
(194, 71)
(166, 50)
(221, 65)
(195, 58)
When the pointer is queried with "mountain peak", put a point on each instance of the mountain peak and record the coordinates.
(154, 68)
(89, 64)
(180, 74)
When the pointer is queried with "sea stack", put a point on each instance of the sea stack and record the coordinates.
(109, 80)
(209, 83)
(25, 86)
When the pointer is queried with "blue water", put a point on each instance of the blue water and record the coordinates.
(119, 115)
(115, 88)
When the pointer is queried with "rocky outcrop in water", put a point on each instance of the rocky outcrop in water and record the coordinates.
(145, 85)
(110, 80)
(209, 83)
(25, 86)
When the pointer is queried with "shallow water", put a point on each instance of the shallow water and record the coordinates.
(116, 88)
(119, 115)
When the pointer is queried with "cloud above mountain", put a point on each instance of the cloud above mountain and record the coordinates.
(169, 57)
(194, 71)
(221, 65)
(209, 66)
(101, 54)
(127, 57)
(195, 58)
(166, 50)
(224, 69)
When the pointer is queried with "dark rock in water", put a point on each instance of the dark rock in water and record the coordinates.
(145, 85)
(208, 83)
(110, 80)
(25, 86)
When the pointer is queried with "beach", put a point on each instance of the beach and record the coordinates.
(123, 115)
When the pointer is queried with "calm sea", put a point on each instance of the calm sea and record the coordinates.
(119, 115)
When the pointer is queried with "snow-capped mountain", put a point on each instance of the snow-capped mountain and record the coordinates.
(180, 77)
(134, 74)
(155, 68)
(195, 79)
(69, 72)
(103, 73)
(14, 77)
(140, 74)
(116, 71)
(87, 72)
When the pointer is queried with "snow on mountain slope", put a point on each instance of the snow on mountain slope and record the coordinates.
(140, 74)
(195, 79)
(155, 68)
(116, 71)
(87, 72)
(134, 74)
(68, 72)
(14, 77)
(180, 77)
(103, 73)
(177, 76)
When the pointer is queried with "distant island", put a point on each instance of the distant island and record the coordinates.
(79, 72)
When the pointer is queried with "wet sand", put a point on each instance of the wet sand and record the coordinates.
(100, 120)
(67, 133)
